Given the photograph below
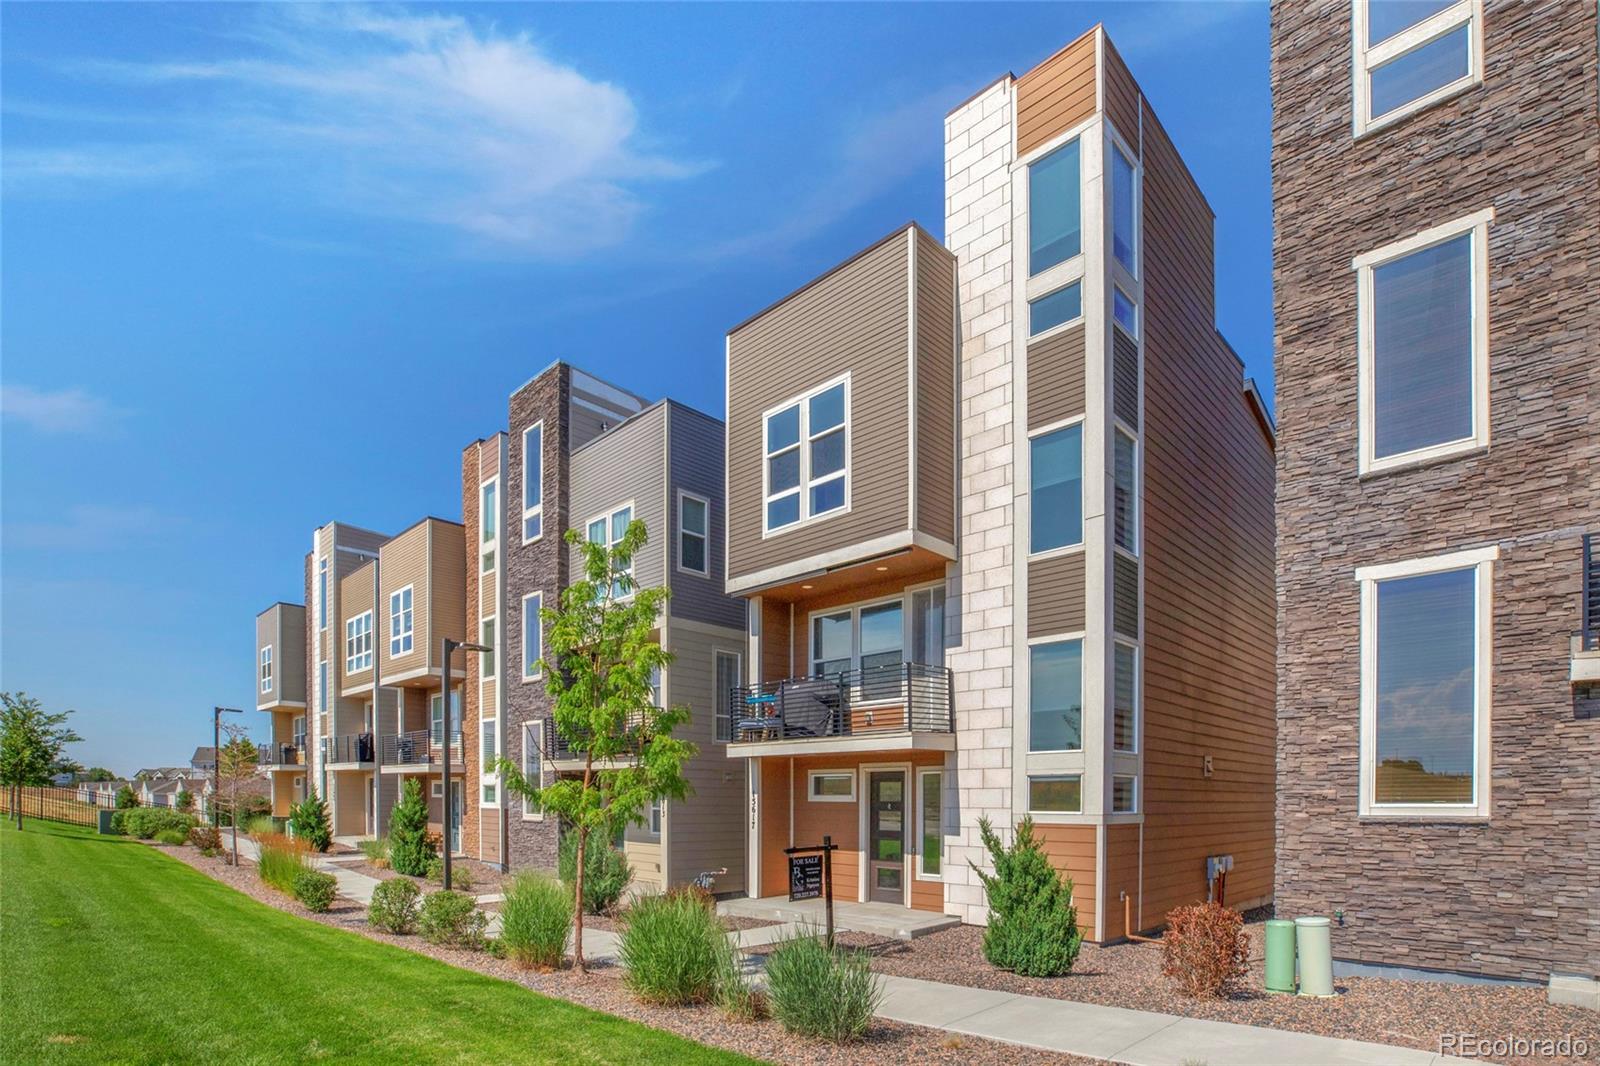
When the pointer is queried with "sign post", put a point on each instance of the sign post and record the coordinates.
(811, 875)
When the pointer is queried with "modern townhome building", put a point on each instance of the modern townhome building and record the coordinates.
(584, 454)
(281, 693)
(1437, 279)
(1001, 509)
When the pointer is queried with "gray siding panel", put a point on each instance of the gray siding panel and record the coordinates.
(706, 831)
(936, 389)
(1055, 378)
(1056, 595)
(1125, 596)
(697, 452)
(626, 463)
(1125, 376)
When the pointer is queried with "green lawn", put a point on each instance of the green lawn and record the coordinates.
(113, 952)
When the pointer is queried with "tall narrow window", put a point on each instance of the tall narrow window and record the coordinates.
(1412, 54)
(322, 687)
(728, 678)
(831, 644)
(1125, 698)
(532, 635)
(436, 716)
(533, 763)
(489, 523)
(1125, 503)
(807, 457)
(1124, 211)
(322, 594)
(1057, 489)
(486, 658)
(694, 527)
(1055, 696)
(533, 482)
(927, 626)
(930, 858)
(401, 635)
(1055, 210)
(266, 668)
(882, 650)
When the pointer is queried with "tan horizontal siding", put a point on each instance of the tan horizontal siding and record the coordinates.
(936, 389)
(1055, 378)
(1056, 595)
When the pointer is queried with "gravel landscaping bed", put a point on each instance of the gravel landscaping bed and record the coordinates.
(1384, 1011)
(602, 989)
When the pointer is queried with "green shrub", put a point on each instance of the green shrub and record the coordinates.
(146, 822)
(184, 800)
(251, 807)
(816, 992)
(262, 823)
(127, 798)
(1205, 949)
(670, 946)
(410, 848)
(281, 859)
(435, 870)
(737, 998)
(535, 921)
(450, 918)
(1033, 926)
(171, 837)
(315, 889)
(308, 821)
(206, 838)
(376, 851)
(606, 873)
(394, 906)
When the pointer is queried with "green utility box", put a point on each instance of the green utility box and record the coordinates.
(105, 821)
(1313, 943)
(1280, 956)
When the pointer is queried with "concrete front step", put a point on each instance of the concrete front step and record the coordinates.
(876, 919)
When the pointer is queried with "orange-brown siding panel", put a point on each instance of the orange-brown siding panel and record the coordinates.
(1056, 95)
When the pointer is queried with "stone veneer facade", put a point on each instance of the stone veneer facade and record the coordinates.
(1518, 894)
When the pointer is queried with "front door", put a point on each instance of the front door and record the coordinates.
(456, 805)
(886, 836)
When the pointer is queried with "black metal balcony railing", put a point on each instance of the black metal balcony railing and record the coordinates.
(557, 747)
(278, 754)
(419, 747)
(898, 698)
(1589, 611)
(352, 747)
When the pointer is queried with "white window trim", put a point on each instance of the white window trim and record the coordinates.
(490, 655)
(1124, 777)
(922, 772)
(1136, 511)
(1045, 431)
(1118, 288)
(738, 658)
(488, 727)
(612, 540)
(1027, 184)
(1138, 694)
(436, 789)
(1365, 60)
(684, 494)
(811, 777)
(1054, 777)
(264, 668)
(537, 508)
(803, 401)
(490, 545)
(358, 652)
(1476, 224)
(535, 730)
(1120, 270)
(528, 672)
(405, 638)
(1081, 636)
(1482, 561)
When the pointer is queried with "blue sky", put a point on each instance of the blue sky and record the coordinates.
(265, 267)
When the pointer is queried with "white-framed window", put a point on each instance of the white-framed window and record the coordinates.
(729, 674)
(1055, 309)
(608, 529)
(266, 668)
(486, 658)
(1055, 793)
(1055, 695)
(436, 716)
(533, 483)
(1425, 685)
(358, 643)
(930, 825)
(322, 593)
(1423, 345)
(1408, 56)
(490, 794)
(488, 745)
(488, 524)
(533, 765)
(652, 818)
(436, 789)
(694, 534)
(401, 634)
(1055, 208)
(1124, 794)
(1056, 488)
(831, 786)
(1125, 491)
(806, 462)
(298, 730)
(1124, 311)
(532, 635)
(1125, 697)
(322, 688)
(1124, 209)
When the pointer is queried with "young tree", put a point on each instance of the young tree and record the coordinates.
(184, 800)
(236, 768)
(31, 745)
(599, 659)
(99, 773)
(308, 820)
(410, 850)
(127, 798)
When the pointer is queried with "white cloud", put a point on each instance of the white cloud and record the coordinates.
(426, 118)
(59, 411)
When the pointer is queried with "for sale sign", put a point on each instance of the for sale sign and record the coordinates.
(805, 876)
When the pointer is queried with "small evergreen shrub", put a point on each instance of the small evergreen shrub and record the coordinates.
(831, 995)
(206, 838)
(535, 921)
(1033, 926)
(606, 872)
(315, 889)
(127, 798)
(281, 859)
(308, 821)
(450, 918)
(146, 822)
(394, 906)
(670, 947)
(171, 837)
(1205, 949)
(435, 870)
(184, 800)
(410, 848)
(735, 996)
(376, 851)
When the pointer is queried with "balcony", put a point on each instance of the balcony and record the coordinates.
(902, 705)
(565, 758)
(1586, 642)
(281, 756)
(419, 748)
(350, 748)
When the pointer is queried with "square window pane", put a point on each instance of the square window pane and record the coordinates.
(1057, 461)
(1055, 697)
(827, 454)
(1427, 688)
(694, 515)
(783, 511)
(1055, 224)
(827, 409)
(1050, 311)
(1422, 348)
(1061, 795)
(783, 471)
(1122, 211)
(783, 428)
(1385, 18)
(532, 527)
(1418, 72)
(828, 496)
(1124, 312)
(1124, 683)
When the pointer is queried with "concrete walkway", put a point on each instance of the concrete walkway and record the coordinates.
(878, 919)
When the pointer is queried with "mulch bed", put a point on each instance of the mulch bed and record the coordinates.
(602, 990)
(1385, 1011)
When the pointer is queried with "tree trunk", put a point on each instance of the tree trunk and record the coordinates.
(583, 842)
(234, 818)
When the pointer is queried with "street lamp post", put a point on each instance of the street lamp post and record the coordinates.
(450, 646)
(216, 762)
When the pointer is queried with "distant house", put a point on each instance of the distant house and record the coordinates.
(203, 761)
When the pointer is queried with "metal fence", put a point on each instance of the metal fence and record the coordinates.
(894, 698)
(73, 805)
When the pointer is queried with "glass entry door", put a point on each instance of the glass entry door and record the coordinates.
(886, 836)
